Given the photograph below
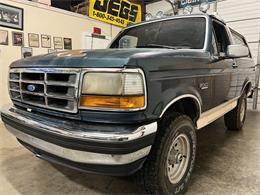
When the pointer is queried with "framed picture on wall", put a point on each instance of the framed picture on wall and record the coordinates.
(18, 39)
(46, 41)
(27, 52)
(67, 43)
(58, 42)
(11, 17)
(33, 40)
(3, 37)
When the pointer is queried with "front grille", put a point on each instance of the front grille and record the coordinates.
(51, 88)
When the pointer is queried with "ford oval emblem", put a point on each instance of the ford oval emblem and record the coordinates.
(31, 88)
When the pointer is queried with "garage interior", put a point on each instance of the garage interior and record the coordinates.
(227, 162)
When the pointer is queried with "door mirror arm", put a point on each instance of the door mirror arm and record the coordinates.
(223, 56)
(220, 57)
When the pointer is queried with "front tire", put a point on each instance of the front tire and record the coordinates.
(170, 164)
(235, 119)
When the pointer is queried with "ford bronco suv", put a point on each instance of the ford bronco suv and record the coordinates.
(134, 107)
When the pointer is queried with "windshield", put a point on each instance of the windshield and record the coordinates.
(173, 34)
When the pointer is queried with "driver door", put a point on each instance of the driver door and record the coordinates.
(224, 69)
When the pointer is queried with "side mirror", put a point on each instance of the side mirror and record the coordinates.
(237, 51)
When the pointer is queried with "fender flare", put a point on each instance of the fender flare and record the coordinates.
(246, 82)
(182, 97)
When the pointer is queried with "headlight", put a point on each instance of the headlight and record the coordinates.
(113, 90)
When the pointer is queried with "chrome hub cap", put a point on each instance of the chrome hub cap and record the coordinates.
(178, 158)
(243, 110)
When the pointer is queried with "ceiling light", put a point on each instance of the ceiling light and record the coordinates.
(159, 14)
(204, 7)
(187, 10)
(148, 16)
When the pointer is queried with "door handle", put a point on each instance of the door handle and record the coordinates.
(234, 65)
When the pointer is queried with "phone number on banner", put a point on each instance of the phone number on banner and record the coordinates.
(108, 17)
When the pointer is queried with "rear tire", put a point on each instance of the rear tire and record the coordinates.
(235, 119)
(168, 167)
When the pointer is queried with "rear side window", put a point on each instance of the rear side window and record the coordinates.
(238, 39)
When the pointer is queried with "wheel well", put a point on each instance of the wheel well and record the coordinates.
(247, 88)
(187, 106)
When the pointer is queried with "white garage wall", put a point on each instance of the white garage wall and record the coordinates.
(153, 8)
(42, 19)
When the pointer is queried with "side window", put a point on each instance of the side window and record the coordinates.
(238, 39)
(214, 45)
(221, 37)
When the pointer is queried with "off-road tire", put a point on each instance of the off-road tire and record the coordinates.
(153, 175)
(234, 120)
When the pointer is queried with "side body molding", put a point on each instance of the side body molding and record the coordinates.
(209, 116)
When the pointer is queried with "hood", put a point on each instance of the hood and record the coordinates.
(105, 58)
(111, 58)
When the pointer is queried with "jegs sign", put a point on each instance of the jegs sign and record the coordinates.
(118, 12)
(184, 3)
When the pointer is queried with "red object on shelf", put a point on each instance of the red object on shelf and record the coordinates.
(97, 30)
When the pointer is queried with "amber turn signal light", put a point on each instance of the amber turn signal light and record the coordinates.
(114, 102)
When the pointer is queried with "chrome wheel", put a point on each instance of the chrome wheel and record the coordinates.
(242, 110)
(178, 158)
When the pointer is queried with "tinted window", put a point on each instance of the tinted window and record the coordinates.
(147, 35)
(221, 37)
(181, 33)
(214, 45)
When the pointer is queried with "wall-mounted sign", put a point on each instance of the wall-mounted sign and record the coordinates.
(184, 3)
(118, 12)
(26, 52)
(97, 31)
(33, 40)
(67, 43)
(46, 41)
(3, 37)
(58, 42)
(18, 39)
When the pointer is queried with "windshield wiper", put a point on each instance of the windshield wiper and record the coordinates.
(156, 46)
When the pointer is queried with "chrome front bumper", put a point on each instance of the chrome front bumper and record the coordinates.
(24, 125)
(79, 156)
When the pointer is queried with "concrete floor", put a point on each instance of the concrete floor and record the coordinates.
(227, 163)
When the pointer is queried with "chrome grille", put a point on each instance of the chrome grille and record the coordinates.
(51, 88)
